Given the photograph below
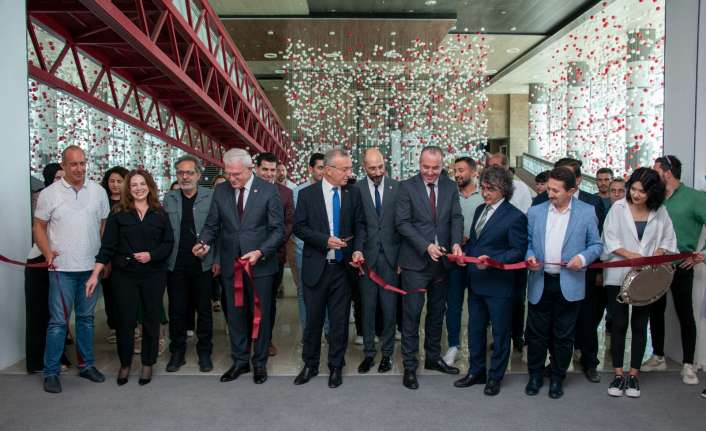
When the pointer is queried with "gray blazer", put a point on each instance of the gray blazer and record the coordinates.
(417, 227)
(172, 206)
(380, 231)
(262, 227)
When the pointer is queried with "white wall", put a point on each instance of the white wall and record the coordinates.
(684, 136)
(14, 194)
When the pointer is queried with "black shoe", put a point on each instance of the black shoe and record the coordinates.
(259, 375)
(492, 388)
(175, 362)
(592, 375)
(470, 380)
(441, 366)
(385, 364)
(52, 384)
(535, 383)
(617, 386)
(123, 375)
(555, 390)
(335, 379)
(365, 366)
(409, 380)
(205, 363)
(234, 372)
(306, 374)
(92, 374)
(145, 376)
(632, 387)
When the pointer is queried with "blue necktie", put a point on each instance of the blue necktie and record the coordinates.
(378, 201)
(336, 220)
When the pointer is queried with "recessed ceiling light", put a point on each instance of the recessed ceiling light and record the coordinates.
(512, 50)
(275, 87)
(393, 33)
(332, 10)
(270, 32)
(503, 12)
(513, 28)
(270, 55)
(430, 2)
(279, 71)
(331, 33)
(491, 71)
(411, 11)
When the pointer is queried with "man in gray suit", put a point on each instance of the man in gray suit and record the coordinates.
(246, 219)
(430, 222)
(379, 193)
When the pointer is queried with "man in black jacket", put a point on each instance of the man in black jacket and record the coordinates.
(329, 218)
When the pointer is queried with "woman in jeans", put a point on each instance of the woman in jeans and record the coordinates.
(137, 241)
(636, 226)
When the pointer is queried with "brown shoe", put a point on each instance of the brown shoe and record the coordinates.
(272, 350)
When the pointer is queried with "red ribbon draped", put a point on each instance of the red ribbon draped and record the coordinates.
(241, 266)
(377, 279)
(25, 264)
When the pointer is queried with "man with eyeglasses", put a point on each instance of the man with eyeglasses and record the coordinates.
(189, 277)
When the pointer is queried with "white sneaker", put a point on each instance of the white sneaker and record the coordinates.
(358, 340)
(688, 375)
(451, 355)
(655, 363)
(398, 335)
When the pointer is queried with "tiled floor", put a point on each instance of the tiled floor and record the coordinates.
(286, 337)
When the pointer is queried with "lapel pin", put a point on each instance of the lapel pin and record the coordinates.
(254, 190)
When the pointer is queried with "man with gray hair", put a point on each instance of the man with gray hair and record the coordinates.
(189, 277)
(246, 221)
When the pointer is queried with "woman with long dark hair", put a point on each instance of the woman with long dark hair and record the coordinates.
(636, 226)
(137, 241)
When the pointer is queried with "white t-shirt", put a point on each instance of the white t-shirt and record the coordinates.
(74, 222)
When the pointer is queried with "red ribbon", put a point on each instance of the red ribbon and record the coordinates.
(241, 266)
(625, 263)
(25, 264)
(377, 279)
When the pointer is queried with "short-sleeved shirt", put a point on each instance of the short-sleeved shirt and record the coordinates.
(468, 209)
(74, 219)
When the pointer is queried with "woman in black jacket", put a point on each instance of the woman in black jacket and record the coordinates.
(137, 241)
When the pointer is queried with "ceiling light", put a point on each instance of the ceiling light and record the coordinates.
(393, 33)
(491, 71)
(270, 55)
(270, 32)
(430, 2)
(411, 11)
(279, 71)
(503, 12)
(275, 87)
(512, 50)
(331, 33)
(513, 28)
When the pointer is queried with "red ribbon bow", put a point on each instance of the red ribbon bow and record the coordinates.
(241, 266)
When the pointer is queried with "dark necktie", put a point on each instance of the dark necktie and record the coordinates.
(432, 200)
(378, 201)
(241, 198)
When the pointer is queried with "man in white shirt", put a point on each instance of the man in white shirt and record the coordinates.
(68, 222)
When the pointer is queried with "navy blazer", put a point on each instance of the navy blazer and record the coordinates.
(504, 239)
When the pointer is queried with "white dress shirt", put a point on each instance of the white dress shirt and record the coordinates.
(246, 192)
(619, 231)
(327, 189)
(381, 189)
(521, 196)
(557, 222)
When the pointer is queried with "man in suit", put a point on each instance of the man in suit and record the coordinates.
(499, 232)
(379, 193)
(564, 229)
(596, 301)
(430, 222)
(266, 168)
(246, 220)
(329, 218)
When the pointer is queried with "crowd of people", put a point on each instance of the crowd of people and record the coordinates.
(393, 249)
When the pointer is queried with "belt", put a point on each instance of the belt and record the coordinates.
(332, 262)
(550, 275)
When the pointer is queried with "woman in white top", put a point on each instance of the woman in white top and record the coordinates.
(636, 226)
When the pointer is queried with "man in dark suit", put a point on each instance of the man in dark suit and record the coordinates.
(246, 220)
(329, 218)
(499, 232)
(379, 193)
(595, 303)
(266, 168)
(430, 222)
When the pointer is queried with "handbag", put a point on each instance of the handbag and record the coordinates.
(645, 285)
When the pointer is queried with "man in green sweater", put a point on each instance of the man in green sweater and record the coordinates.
(687, 209)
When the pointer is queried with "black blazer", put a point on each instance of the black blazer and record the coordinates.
(584, 197)
(416, 225)
(262, 226)
(311, 226)
(504, 239)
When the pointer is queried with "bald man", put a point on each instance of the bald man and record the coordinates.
(379, 194)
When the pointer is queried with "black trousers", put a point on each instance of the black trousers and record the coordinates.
(186, 287)
(376, 300)
(36, 314)
(109, 301)
(681, 288)
(435, 280)
(590, 315)
(133, 290)
(551, 323)
(638, 327)
(518, 307)
(240, 321)
(333, 294)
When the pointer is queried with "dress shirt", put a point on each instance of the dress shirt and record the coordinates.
(557, 222)
(381, 189)
(521, 196)
(327, 189)
(247, 186)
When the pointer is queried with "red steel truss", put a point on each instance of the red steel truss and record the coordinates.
(166, 67)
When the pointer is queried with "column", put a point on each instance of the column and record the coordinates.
(538, 120)
(578, 112)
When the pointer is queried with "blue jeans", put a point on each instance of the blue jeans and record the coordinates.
(67, 291)
(458, 282)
